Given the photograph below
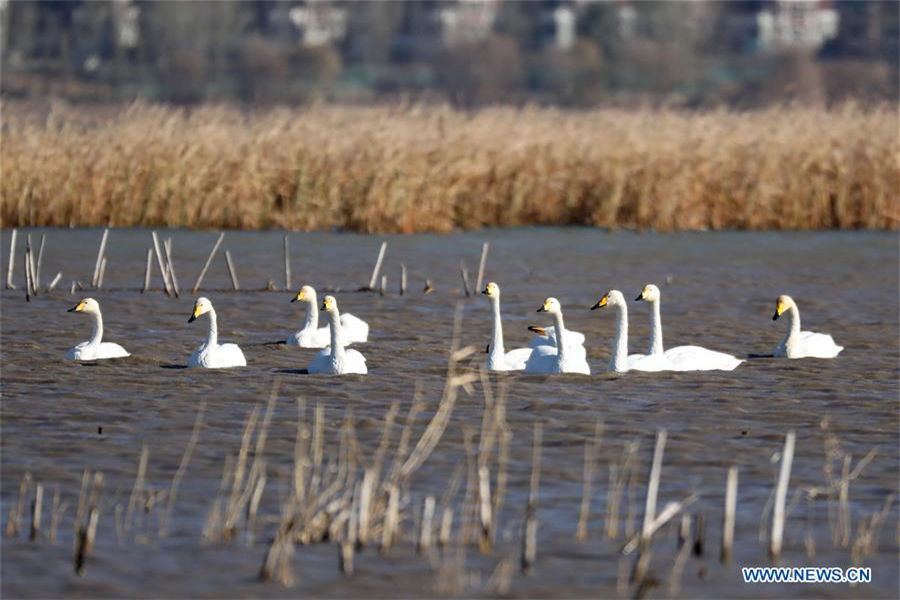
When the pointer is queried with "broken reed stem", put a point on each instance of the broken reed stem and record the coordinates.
(100, 252)
(31, 267)
(584, 513)
(391, 519)
(170, 266)
(159, 261)
(56, 514)
(12, 257)
(40, 260)
(728, 520)
(446, 527)
(36, 507)
(377, 267)
(232, 271)
(147, 270)
(383, 287)
(465, 278)
(287, 263)
(55, 281)
(138, 487)
(484, 509)
(529, 534)
(13, 523)
(426, 527)
(86, 532)
(653, 486)
(27, 274)
(481, 263)
(778, 516)
(102, 273)
(182, 467)
(208, 262)
(402, 279)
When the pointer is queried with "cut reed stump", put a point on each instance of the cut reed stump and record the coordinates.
(232, 271)
(100, 252)
(209, 260)
(375, 270)
(481, 263)
(778, 515)
(147, 270)
(162, 267)
(728, 519)
(287, 263)
(12, 257)
(530, 525)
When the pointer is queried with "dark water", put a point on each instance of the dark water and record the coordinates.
(721, 293)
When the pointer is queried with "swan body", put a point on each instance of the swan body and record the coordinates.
(211, 354)
(801, 344)
(498, 358)
(685, 358)
(621, 361)
(311, 335)
(336, 359)
(94, 348)
(562, 358)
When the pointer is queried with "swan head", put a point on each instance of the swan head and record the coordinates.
(306, 294)
(201, 307)
(650, 293)
(491, 290)
(329, 304)
(610, 298)
(783, 303)
(550, 305)
(88, 305)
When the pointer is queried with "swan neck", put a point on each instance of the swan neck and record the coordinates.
(793, 324)
(312, 316)
(619, 360)
(656, 335)
(212, 338)
(497, 348)
(560, 336)
(337, 348)
(97, 332)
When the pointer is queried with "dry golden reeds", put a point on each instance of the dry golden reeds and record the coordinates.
(431, 168)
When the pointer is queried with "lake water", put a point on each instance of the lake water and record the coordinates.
(60, 418)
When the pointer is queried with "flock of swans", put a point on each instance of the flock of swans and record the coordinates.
(553, 349)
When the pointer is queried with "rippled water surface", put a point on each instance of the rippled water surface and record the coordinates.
(60, 418)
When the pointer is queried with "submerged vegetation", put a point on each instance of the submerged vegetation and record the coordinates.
(431, 168)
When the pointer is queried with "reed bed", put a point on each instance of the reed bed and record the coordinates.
(422, 168)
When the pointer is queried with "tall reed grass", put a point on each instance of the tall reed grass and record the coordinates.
(425, 168)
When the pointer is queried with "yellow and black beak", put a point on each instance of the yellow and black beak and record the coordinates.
(779, 309)
(194, 314)
(601, 302)
(538, 330)
(299, 296)
(77, 308)
(543, 308)
(324, 305)
(640, 297)
(486, 291)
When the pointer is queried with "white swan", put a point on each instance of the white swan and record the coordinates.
(94, 349)
(559, 359)
(685, 358)
(337, 360)
(498, 359)
(353, 328)
(801, 344)
(620, 361)
(211, 354)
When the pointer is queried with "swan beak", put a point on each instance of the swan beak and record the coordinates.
(600, 303)
(192, 319)
(779, 308)
(77, 308)
(538, 330)
(486, 292)
(300, 296)
(640, 297)
(542, 309)
(194, 314)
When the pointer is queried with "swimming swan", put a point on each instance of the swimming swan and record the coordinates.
(94, 349)
(211, 354)
(801, 344)
(620, 361)
(558, 359)
(498, 359)
(685, 358)
(353, 328)
(337, 360)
